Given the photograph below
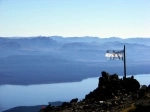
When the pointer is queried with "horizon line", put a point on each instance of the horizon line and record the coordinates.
(69, 36)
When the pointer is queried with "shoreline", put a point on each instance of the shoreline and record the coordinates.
(69, 81)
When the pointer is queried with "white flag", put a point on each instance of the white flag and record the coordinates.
(115, 54)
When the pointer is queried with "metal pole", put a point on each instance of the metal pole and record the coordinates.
(124, 62)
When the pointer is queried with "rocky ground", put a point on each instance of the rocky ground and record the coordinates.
(111, 95)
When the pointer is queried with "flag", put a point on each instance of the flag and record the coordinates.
(115, 54)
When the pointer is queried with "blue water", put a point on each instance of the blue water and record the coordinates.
(14, 95)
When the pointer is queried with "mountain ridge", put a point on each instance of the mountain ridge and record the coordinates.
(53, 56)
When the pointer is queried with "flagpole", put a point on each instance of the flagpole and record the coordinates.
(124, 62)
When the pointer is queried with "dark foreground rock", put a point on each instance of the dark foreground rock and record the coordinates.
(111, 95)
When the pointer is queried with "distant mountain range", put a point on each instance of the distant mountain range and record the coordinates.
(45, 59)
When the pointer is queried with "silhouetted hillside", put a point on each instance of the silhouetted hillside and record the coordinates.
(111, 95)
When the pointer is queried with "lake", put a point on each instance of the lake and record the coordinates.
(17, 95)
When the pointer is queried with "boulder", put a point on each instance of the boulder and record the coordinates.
(110, 86)
(75, 100)
(66, 104)
(48, 108)
(144, 87)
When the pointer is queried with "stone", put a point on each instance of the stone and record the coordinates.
(135, 96)
(75, 100)
(114, 76)
(149, 86)
(66, 104)
(144, 87)
(48, 108)
(105, 75)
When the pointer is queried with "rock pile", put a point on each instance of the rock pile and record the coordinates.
(111, 95)
(110, 86)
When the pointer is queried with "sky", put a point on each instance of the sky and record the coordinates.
(69, 18)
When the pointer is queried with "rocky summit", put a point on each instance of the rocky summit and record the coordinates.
(111, 95)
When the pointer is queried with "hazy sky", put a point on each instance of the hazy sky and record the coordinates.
(102, 18)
